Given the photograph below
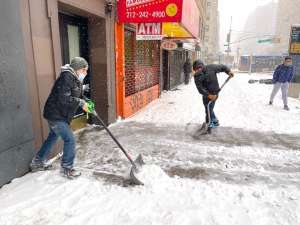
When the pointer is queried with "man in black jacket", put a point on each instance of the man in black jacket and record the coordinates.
(64, 100)
(187, 69)
(206, 81)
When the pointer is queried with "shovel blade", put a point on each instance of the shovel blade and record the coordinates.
(203, 130)
(139, 162)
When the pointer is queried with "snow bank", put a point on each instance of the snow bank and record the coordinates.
(47, 199)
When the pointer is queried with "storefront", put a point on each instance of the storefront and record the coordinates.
(60, 30)
(138, 78)
(141, 65)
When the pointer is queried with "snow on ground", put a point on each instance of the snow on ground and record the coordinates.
(240, 105)
(247, 172)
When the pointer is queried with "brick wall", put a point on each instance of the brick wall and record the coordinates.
(142, 64)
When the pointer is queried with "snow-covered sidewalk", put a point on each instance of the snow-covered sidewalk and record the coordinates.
(247, 172)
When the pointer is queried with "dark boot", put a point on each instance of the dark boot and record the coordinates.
(70, 173)
(38, 165)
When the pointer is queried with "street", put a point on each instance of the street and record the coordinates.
(246, 172)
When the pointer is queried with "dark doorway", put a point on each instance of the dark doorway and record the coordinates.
(166, 72)
(74, 39)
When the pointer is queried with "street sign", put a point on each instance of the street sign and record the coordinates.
(276, 40)
(264, 41)
(295, 40)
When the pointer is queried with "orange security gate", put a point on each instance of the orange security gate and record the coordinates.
(137, 71)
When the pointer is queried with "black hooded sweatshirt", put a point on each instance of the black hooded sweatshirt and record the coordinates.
(207, 81)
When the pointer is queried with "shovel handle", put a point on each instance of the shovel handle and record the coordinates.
(208, 105)
(226, 81)
(114, 139)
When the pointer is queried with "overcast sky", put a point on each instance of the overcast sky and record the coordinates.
(239, 10)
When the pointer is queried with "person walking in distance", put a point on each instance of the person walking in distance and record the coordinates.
(282, 76)
(187, 69)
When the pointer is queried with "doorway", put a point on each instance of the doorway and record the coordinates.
(74, 37)
(166, 72)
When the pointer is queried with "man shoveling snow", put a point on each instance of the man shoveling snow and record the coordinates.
(208, 86)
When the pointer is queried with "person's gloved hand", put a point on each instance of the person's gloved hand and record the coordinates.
(231, 74)
(212, 97)
(90, 106)
(87, 106)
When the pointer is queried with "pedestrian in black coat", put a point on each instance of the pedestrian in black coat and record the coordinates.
(64, 100)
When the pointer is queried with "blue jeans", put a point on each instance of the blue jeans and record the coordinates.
(211, 110)
(63, 130)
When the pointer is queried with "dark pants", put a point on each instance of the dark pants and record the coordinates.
(187, 78)
(63, 130)
(211, 110)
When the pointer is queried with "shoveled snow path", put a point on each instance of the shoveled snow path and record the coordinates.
(247, 172)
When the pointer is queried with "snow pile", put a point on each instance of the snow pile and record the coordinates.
(150, 175)
(47, 199)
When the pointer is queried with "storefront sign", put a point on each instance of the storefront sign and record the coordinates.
(143, 11)
(149, 31)
(295, 40)
(168, 45)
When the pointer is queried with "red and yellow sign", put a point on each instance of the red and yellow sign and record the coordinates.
(145, 11)
(180, 18)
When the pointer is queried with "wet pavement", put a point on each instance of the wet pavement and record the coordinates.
(232, 155)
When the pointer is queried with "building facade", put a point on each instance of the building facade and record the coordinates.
(287, 14)
(143, 68)
(211, 35)
(38, 39)
(125, 74)
(137, 70)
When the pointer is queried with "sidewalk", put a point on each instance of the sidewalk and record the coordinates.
(246, 173)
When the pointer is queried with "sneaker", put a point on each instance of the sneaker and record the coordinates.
(38, 165)
(70, 173)
(270, 103)
(216, 123)
(212, 125)
(286, 108)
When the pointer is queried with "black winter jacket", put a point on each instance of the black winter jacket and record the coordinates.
(207, 80)
(64, 98)
(187, 67)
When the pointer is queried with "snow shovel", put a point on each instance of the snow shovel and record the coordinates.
(205, 129)
(136, 165)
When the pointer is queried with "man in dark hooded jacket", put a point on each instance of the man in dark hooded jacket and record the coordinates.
(64, 100)
(206, 81)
